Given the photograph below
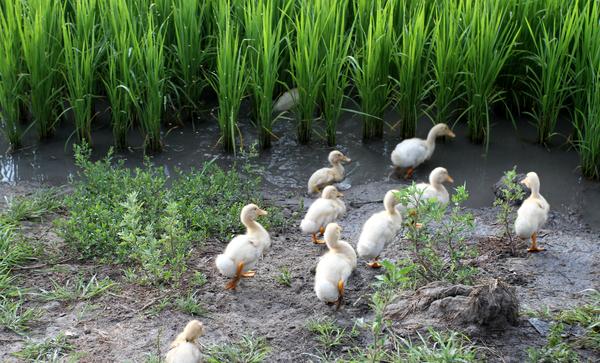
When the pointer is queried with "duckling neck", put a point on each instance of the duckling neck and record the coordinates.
(338, 169)
(252, 226)
(535, 190)
(390, 208)
(431, 136)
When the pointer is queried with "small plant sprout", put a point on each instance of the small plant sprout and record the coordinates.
(285, 277)
(512, 193)
(249, 349)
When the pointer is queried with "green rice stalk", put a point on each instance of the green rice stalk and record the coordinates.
(150, 53)
(587, 97)
(447, 60)
(307, 66)
(120, 30)
(42, 52)
(81, 58)
(587, 60)
(264, 29)
(370, 69)
(230, 80)
(337, 42)
(191, 49)
(488, 46)
(10, 69)
(412, 59)
(550, 76)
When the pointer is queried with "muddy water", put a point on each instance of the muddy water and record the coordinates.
(288, 165)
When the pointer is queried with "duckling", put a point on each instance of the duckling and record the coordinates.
(287, 101)
(184, 348)
(379, 230)
(243, 251)
(411, 153)
(323, 211)
(334, 267)
(432, 190)
(326, 176)
(533, 213)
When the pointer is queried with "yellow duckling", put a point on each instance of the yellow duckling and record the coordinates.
(326, 176)
(411, 153)
(334, 267)
(435, 189)
(244, 251)
(533, 213)
(184, 348)
(287, 101)
(379, 230)
(323, 211)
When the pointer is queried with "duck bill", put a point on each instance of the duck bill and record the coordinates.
(451, 134)
(524, 182)
(347, 159)
(262, 212)
(450, 179)
(340, 195)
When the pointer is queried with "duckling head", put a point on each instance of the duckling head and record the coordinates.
(331, 192)
(251, 212)
(332, 235)
(532, 181)
(439, 175)
(443, 130)
(193, 330)
(336, 157)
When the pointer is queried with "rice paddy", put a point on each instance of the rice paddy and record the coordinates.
(427, 61)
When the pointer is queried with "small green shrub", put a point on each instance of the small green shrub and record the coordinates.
(439, 234)
(284, 277)
(125, 216)
(249, 349)
(555, 351)
(189, 304)
(329, 334)
(511, 194)
(14, 316)
(79, 289)
(34, 206)
(50, 350)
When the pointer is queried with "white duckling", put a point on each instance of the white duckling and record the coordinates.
(184, 348)
(244, 251)
(435, 189)
(379, 230)
(411, 153)
(326, 176)
(533, 213)
(334, 267)
(323, 211)
(287, 101)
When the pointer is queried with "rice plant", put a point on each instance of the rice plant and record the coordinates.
(149, 50)
(264, 23)
(120, 29)
(10, 70)
(411, 59)
(550, 76)
(337, 42)
(81, 57)
(42, 52)
(588, 131)
(488, 46)
(370, 67)
(191, 49)
(230, 80)
(307, 66)
(447, 60)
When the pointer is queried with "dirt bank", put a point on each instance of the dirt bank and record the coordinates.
(127, 325)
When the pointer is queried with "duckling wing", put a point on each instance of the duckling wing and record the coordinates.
(320, 178)
(243, 249)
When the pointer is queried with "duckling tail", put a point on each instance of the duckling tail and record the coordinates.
(226, 266)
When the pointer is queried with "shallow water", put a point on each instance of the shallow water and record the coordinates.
(287, 165)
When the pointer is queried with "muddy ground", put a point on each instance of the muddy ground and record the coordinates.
(125, 325)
